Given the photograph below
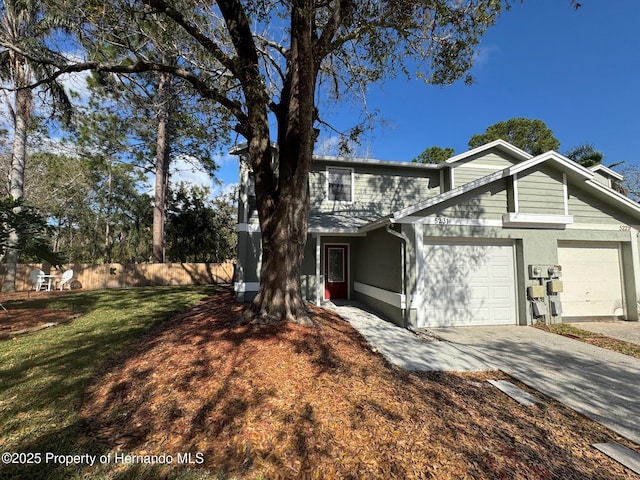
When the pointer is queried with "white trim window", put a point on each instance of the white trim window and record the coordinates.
(339, 184)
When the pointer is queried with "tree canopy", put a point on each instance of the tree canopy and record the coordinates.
(34, 233)
(268, 64)
(273, 66)
(532, 136)
(586, 155)
(434, 155)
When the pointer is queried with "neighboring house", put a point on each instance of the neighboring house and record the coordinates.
(459, 243)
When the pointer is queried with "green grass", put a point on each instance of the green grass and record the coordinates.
(43, 376)
(569, 330)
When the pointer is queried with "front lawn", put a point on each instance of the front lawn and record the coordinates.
(43, 375)
(200, 397)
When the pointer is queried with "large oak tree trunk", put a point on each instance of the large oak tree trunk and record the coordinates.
(283, 202)
(280, 295)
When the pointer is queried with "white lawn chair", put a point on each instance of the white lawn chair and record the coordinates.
(37, 279)
(66, 279)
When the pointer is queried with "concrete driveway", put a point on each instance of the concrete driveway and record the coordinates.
(601, 384)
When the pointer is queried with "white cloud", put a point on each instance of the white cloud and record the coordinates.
(225, 189)
(77, 83)
(328, 146)
(188, 171)
(484, 54)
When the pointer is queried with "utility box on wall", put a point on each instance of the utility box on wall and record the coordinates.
(536, 271)
(539, 308)
(556, 306)
(544, 271)
(535, 291)
(554, 287)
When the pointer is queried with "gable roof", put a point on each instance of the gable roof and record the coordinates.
(496, 144)
(565, 164)
(554, 157)
(607, 172)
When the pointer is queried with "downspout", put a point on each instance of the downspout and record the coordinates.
(403, 259)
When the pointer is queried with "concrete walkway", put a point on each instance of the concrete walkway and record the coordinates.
(405, 349)
(601, 384)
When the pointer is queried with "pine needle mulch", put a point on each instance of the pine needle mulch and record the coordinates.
(297, 402)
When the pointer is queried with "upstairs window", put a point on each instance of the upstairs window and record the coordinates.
(339, 184)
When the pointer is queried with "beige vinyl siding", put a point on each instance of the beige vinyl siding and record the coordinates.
(489, 202)
(541, 192)
(603, 179)
(375, 191)
(465, 174)
(586, 209)
(479, 167)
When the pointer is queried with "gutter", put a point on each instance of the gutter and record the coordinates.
(403, 238)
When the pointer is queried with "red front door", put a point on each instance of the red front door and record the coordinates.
(335, 271)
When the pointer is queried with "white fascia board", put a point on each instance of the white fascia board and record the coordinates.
(611, 173)
(452, 221)
(461, 190)
(607, 227)
(238, 149)
(243, 148)
(536, 220)
(383, 222)
(554, 157)
(496, 143)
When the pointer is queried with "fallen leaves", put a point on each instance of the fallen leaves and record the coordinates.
(289, 401)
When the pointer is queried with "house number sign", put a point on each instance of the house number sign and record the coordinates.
(442, 221)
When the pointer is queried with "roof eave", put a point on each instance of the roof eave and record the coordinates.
(501, 144)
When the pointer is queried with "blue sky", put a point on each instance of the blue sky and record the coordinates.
(578, 71)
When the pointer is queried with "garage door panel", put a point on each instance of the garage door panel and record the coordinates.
(592, 279)
(503, 315)
(501, 272)
(468, 285)
(479, 294)
(502, 293)
(481, 273)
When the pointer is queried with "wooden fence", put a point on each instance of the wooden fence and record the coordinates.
(120, 275)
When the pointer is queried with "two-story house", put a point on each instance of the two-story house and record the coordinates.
(461, 242)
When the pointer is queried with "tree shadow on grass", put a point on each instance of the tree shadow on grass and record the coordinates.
(43, 375)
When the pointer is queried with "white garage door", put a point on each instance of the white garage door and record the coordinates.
(591, 279)
(468, 284)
